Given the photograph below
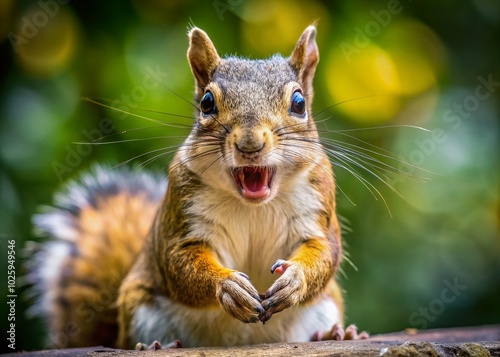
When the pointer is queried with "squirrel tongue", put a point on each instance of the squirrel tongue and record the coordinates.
(254, 181)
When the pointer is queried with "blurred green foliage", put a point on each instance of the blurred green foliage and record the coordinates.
(388, 63)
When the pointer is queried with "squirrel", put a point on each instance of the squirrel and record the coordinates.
(246, 231)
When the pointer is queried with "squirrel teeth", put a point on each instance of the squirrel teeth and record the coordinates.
(254, 181)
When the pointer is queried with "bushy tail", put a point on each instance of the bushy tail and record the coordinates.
(97, 229)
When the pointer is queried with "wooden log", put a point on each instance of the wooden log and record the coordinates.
(471, 341)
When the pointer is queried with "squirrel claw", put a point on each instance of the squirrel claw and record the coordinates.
(337, 333)
(244, 275)
(239, 298)
(156, 345)
(280, 266)
(143, 347)
(265, 316)
(351, 333)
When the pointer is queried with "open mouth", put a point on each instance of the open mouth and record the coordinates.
(254, 182)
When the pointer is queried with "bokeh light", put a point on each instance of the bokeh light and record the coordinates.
(47, 41)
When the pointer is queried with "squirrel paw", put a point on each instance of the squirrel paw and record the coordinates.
(286, 290)
(239, 297)
(157, 346)
(338, 333)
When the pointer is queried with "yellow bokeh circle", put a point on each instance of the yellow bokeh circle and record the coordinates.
(46, 39)
(367, 83)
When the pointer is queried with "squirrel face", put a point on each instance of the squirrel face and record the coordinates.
(254, 131)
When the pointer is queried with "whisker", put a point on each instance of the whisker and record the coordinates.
(347, 101)
(196, 157)
(371, 161)
(210, 135)
(172, 149)
(343, 144)
(151, 159)
(345, 224)
(131, 130)
(346, 164)
(348, 159)
(209, 166)
(218, 122)
(144, 154)
(190, 117)
(395, 126)
(276, 130)
(174, 93)
(364, 142)
(348, 259)
(321, 121)
(388, 155)
(101, 99)
(375, 171)
(121, 141)
(170, 125)
(298, 154)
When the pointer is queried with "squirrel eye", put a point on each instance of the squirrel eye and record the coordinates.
(298, 105)
(207, 104)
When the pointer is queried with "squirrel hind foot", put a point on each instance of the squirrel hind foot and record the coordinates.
(337, 333)
(156, 345)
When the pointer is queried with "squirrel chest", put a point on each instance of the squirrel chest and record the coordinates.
(251, 238)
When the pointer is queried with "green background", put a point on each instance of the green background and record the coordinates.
(398, 64)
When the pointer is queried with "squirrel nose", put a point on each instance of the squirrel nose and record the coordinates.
(250, 147)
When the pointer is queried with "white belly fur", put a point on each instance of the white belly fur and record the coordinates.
(247, 239)
(194, 327)
(251, 238)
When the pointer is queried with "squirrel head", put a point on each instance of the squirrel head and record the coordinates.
(254, 133)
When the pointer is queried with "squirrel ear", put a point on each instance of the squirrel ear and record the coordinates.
(203, 58)
(304, 58)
